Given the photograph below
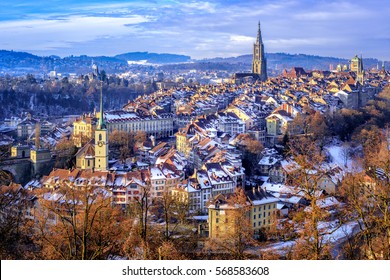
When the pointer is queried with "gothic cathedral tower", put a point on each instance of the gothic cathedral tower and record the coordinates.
(101, 139)
(357, 67)
(259, 63)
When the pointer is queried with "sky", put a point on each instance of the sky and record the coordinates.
(200, 29)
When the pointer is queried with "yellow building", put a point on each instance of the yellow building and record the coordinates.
(20, 151)
(242, 115)
(40, 155)
(263, 208)
(83, 130)
(186, 136)
(222, 216)
(261, 213)
(85, 157)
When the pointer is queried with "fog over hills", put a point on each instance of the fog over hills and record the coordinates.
(21, 63)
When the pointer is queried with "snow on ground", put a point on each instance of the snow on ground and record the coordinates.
(336, 235)
(342, 232)
(338, 156)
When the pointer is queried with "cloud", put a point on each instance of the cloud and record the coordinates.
(242, 39)
(296, 42)
(197, 28)
(49, 34)
(200, 6)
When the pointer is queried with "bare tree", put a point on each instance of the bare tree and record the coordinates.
(312, 242)
(77, 222)
(5, 177)
(368, 200)
(15, 227)
(237, 235)
(140, 209)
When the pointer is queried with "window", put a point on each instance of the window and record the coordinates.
(254, 210)
(259, 216)
(274, 205)
(264, 207)
(254, 224)
(254, 217)
(259, 223)
(269, 207)
(216, 220)
(100, 137)
(269, 214)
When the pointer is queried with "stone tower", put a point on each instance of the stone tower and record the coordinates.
(357, 67)
(101, 139)
(259, 63)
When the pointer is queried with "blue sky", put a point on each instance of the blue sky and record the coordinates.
(199, 29)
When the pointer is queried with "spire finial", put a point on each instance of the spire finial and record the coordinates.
(259, 33)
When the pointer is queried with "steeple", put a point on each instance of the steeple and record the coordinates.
(259, 39)
(101, 124)
(259, 63)
(383, 65)
(101, 139)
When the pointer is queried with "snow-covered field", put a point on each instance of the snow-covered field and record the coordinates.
(339, 155)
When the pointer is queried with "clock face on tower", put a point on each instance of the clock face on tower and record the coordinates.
(100, 143)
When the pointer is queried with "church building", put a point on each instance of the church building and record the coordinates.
(94, 155)
(259, 63)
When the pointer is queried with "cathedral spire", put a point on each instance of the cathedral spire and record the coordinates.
(259, 39)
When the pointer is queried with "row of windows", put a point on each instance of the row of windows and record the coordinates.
(143, 126)
(265, 207)
(134, 192)
(259, 223)
(264, 215)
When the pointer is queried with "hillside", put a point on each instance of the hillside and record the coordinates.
(153, 58)
(280, 61)
(22, 63)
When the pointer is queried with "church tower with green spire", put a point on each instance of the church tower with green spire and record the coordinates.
(101, 139)
(259, 63)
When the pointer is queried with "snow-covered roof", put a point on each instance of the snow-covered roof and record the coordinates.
(156, 173)
(327, 202)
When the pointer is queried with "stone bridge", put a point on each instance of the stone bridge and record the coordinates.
(20, 168)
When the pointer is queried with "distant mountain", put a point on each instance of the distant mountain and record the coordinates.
(22, 63)
(154, 58)
(280, 61)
